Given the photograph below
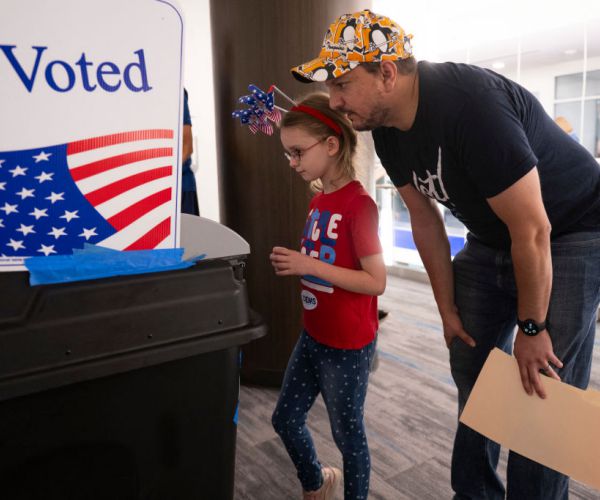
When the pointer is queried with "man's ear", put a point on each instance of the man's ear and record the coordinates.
(389, 72)
(333, 145)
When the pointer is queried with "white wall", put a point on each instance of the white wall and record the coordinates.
(198, 80)
(541, 79)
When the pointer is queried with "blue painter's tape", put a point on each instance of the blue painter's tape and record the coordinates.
(89, 248)
(196, 259)
(235, 417)
(94, 262)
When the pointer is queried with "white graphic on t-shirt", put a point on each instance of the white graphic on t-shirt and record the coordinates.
(309, 301)
(432, 186)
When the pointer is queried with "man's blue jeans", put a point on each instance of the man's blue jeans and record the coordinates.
(341, 376)
(486, 297)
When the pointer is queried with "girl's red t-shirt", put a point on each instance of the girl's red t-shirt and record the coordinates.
(341, 228)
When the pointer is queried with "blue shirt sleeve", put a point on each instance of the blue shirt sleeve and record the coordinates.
(187, 119)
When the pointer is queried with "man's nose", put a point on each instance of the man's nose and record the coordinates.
(335, 101)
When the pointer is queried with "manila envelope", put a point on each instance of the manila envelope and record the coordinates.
(561, 432)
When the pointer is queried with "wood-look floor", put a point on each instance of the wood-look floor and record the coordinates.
(410, 414)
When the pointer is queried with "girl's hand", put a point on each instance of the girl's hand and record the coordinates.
(290, 263)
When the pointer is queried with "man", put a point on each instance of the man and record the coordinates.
(530, 196)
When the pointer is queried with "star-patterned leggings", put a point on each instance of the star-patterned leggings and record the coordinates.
(341, 376)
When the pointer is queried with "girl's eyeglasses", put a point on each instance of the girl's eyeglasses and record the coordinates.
(296, 154)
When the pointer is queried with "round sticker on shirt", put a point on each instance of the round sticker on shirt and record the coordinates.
(309, 301)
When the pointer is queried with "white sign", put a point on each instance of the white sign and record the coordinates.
(90, 121)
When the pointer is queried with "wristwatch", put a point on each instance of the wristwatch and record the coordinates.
(530, 327)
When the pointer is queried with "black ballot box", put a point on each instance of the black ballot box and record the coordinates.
(122, 388)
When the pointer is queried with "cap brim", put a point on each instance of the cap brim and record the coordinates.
(299, 75)
(320, 70)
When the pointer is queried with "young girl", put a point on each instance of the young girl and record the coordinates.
(342, 272)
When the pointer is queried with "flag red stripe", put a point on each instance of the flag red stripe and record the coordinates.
(119, 187)
(100, 166)
(137, 210)
(110, 140)
(153, 237)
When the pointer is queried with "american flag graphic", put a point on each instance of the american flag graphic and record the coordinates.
(115, 191)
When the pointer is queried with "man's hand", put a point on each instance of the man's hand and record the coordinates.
(453, 328)
(535, 354)
(290, 263)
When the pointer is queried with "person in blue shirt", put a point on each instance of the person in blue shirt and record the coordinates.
(189, 196)
(563, 123)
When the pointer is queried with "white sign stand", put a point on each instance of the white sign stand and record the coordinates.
(90, 126)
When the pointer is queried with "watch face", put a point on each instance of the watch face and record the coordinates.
(530, 328)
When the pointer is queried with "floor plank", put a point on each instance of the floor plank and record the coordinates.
(410, 414)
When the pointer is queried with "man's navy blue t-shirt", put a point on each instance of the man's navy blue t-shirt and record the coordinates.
(475, 134)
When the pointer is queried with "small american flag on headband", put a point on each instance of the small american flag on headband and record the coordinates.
(115, 191)
(261, 109)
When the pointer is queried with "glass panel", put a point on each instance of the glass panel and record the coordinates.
(399, 208)
(568, 86)
(383, 193)
(597, 148)
(590, 126)
(593, 83)
(452, 221)
(570, 112)
(379, 182)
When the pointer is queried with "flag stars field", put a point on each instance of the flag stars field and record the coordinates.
(16, 245)
(26, 230)
(88, 233)
(47, 249)
(43, 156)
(54, 197)
(58, 232)
(70, 215)
(37, 213)
(26, 193)
(18, 171)
(8, 208)
(43, 177)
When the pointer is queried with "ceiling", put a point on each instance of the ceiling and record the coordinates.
(484, 32)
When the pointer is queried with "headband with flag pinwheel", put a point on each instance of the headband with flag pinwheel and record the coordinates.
(261, 110)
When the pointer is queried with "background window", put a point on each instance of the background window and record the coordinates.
(549, 47)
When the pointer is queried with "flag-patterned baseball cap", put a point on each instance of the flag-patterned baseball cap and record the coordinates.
(353, 39)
